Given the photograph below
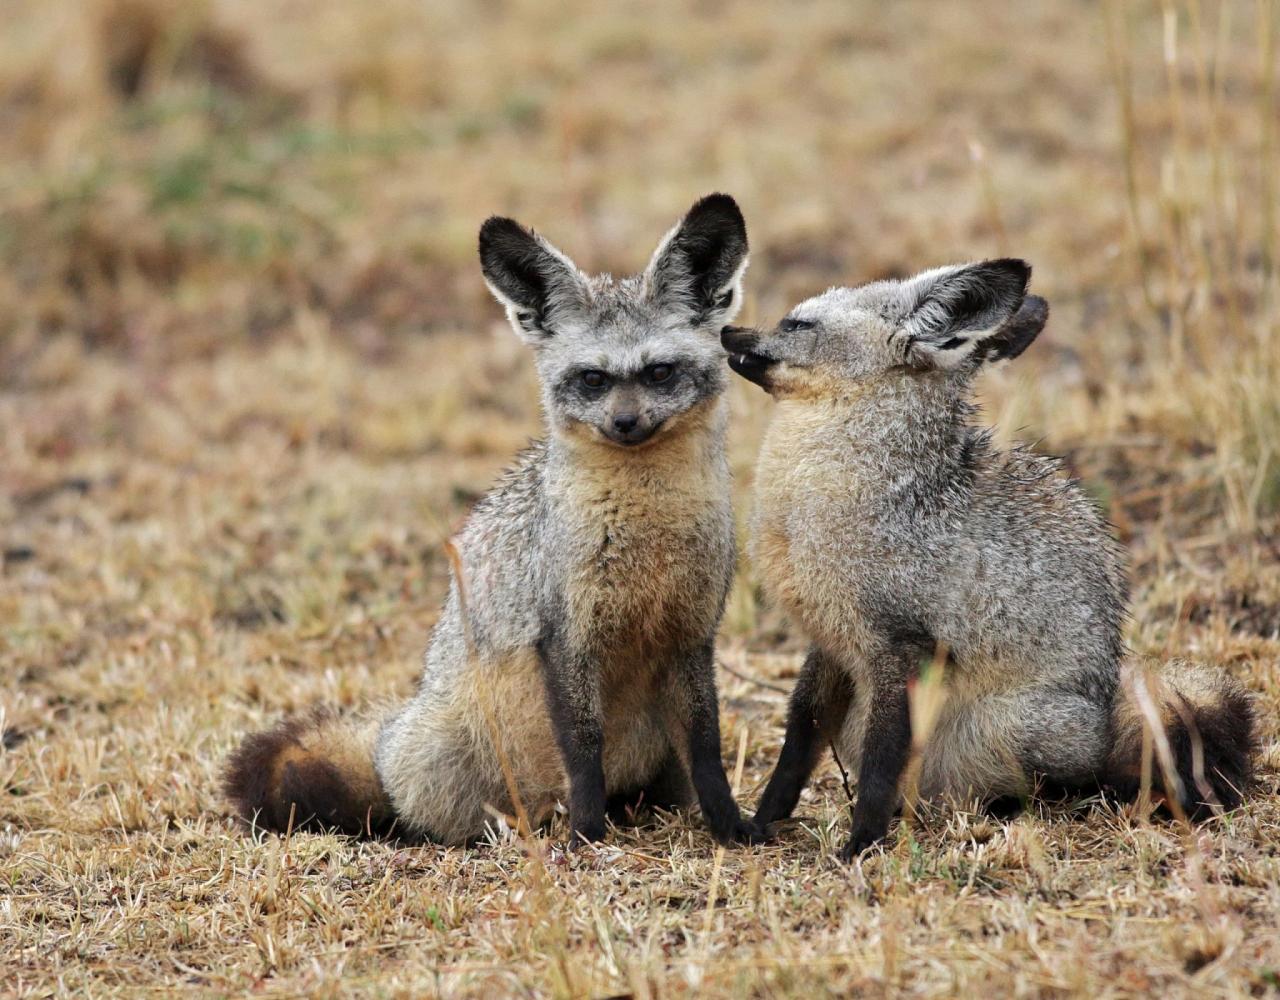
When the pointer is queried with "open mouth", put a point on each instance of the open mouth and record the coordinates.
(751, 366)
(739, 341)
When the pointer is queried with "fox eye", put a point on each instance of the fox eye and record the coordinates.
(595, 379)
(660, 373)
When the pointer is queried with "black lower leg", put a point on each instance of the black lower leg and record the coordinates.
(885, 749)
(705, 764)
(586, 790)
(575, 718)
(712, 785)
(815, 715)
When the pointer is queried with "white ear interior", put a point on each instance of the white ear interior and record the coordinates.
(951, 357)
(523, 320)
(931, 333)
(564, 283)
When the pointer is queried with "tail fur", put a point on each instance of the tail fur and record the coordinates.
(312, 771)
(1207, 718)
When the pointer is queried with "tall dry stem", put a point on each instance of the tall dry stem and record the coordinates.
(1115, 21)
(1266, 115)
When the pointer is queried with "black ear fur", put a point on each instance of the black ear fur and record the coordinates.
(523, 271)
(1016, 336)
(702, 257)
(972, 298)
(511, 260)
(952, 313)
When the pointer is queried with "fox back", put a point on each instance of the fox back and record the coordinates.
(900, 501)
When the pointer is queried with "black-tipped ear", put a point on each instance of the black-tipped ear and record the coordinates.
(528, 275)
(950, 312)
(1016, 336)
(698, 267)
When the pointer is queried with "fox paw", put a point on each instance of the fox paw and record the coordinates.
(743, 831)
(585, 837)
(860, 842)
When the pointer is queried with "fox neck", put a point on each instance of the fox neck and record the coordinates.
(904, 437)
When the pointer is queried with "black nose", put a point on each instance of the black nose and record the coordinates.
(736, 339)
(625, 423)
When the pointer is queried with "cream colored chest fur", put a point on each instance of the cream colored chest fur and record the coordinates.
(806, 500)
(649, 547)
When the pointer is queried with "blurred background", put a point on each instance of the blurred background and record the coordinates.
(251, 380)
(234, 229)
(240, 310)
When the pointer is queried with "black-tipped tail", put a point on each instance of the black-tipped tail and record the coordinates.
(309, 772)
(1206, 720)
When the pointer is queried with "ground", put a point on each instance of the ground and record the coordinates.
(250, 382)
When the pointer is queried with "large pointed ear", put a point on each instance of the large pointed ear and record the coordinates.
(698, 267)
(538, 285)
(1016, 336)
(952, 313)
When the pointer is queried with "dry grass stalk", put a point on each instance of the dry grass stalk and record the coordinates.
(926, 698)
(718, 863)
(1267, 108)
(1115, 21)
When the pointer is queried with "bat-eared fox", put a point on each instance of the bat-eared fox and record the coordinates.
(574, 652)
(891, 529)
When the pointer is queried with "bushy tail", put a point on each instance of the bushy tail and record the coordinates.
(1206, 721)
(312, 771)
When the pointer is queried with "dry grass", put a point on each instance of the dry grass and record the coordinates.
(249, 380)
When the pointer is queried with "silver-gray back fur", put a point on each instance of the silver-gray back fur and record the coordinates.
(895, 532)
(886, 520)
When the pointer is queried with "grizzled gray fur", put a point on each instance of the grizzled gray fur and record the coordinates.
(573, 659)
(892, 529)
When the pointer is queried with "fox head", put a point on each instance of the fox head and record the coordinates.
(943, 323)
(622, 362)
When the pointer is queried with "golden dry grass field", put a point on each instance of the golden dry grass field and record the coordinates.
(250, 381)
